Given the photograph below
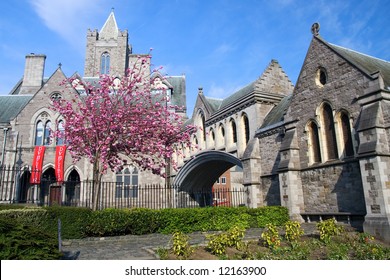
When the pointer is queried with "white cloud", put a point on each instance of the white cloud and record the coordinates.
(224, 91)
(65, 17)
(223, 49)
(216, 91)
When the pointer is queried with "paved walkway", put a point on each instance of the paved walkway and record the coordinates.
(134, 247)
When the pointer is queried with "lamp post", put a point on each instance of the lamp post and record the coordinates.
(5, 129)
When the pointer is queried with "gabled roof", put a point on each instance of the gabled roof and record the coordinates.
(11, 105)
(367, 64)
(214, 103)
(272, 81)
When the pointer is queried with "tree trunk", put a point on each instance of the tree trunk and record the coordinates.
(96, 185)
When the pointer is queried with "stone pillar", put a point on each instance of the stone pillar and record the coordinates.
(291, 193)
(374, 154)
(251, 174)
(376, 185)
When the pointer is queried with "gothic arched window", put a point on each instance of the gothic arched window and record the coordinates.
(61, 136)
(203, 126)
(314, 143)
(346, 134)
(222, 129)
(234, 131)
(127, 182)
(105, 63)
(212, 137)
(38, 133)
(329, 131)
(246, 127)
(220, 136)
(46, 140)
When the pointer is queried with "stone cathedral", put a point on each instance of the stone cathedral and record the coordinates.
(321, 147)
(28, 121)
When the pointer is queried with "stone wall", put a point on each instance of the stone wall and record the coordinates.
(344, 85)
(269, 152)
(270, 190)
(333, 188)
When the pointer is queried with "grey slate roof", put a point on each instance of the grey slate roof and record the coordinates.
(178, 83)
(16, 89)
(215, 103)
(238, 94)
(277, 113)
(11, 105)
(365, 63)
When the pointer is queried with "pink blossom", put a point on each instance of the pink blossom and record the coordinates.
(106, 124)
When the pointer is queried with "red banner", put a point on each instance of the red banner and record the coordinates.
(59, 165)
(36, 171)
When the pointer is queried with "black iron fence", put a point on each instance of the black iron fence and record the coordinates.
(15, 187)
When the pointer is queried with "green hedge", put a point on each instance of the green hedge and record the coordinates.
(73, 219)
(111, 222)
(202, 219)
(82, 222)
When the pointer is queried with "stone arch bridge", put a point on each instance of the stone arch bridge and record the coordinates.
(202, 171)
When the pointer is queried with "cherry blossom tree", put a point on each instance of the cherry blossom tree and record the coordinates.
(119, 118)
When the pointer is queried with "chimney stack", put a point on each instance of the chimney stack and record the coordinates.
(33, 73)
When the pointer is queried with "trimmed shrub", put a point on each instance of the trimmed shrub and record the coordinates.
(25, 242)
(276, 215)
(107, 222)
(82, 222)
(32, 216)
(73, 220)
(142, 221)
(8, 206)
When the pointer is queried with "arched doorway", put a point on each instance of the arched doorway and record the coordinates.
(49, 193)
(25, 192)
(72, 189)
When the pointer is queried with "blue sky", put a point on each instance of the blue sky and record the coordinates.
(221, 45)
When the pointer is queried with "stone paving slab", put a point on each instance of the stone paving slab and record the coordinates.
(138, 247)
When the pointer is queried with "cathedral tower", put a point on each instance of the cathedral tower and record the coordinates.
(107, 51)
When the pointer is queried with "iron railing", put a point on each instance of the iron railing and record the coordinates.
(15, 187)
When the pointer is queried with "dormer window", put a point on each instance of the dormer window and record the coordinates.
(161, 87)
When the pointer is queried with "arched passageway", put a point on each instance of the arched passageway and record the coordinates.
(200, 173)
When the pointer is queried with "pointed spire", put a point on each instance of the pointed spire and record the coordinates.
(110, 28)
